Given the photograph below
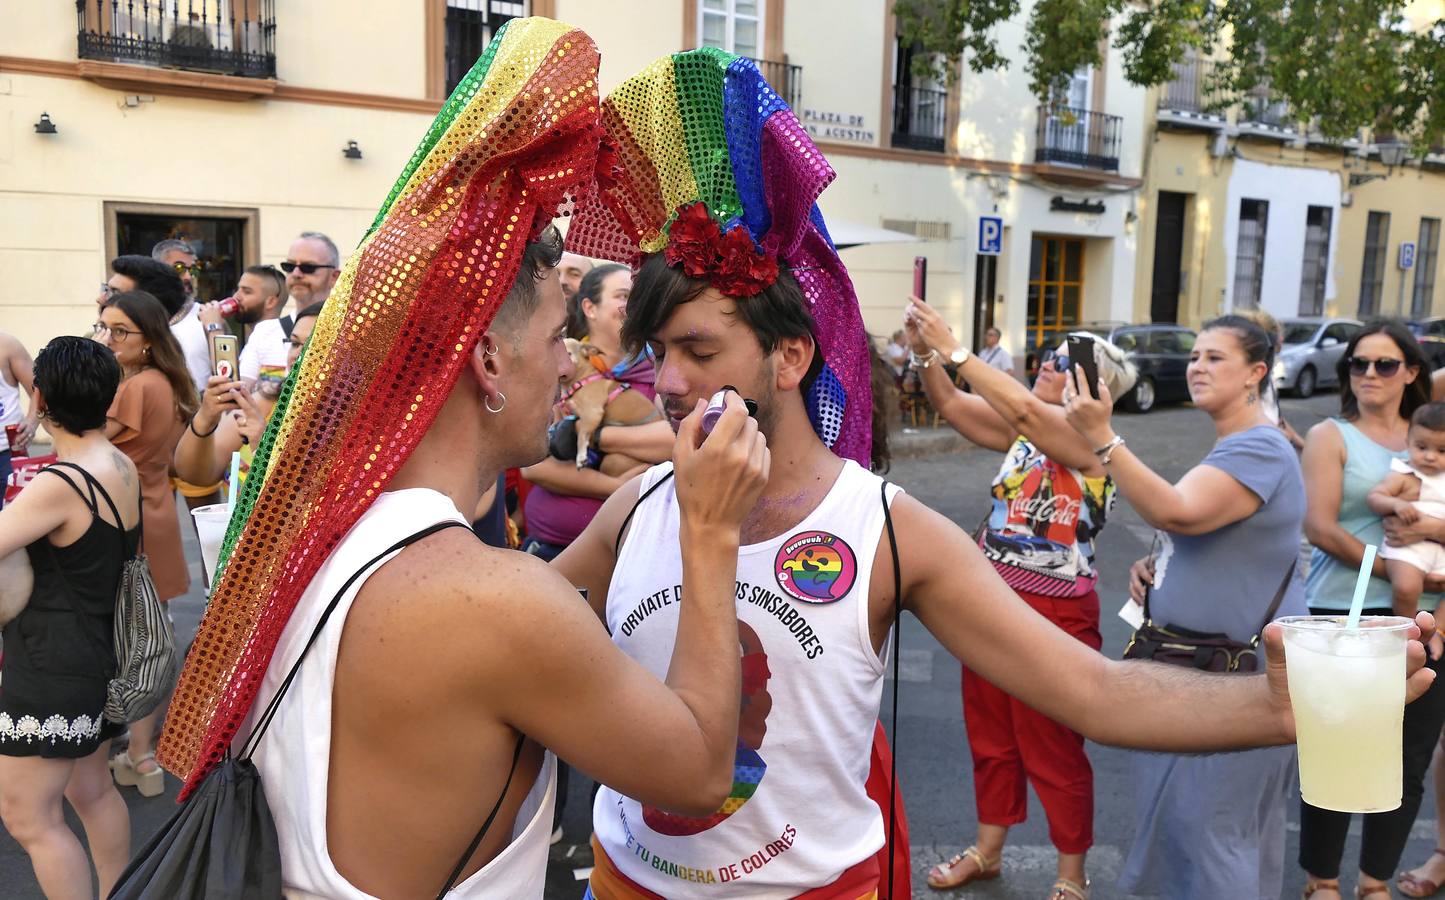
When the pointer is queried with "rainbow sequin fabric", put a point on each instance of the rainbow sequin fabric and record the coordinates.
(705, 125)
(513, 147)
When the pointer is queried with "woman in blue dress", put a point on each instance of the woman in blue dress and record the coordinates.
(1213, 825)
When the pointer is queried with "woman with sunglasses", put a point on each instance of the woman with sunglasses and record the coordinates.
(155, 400)
(1384, 378)
(1049, 503)
(1211, 826)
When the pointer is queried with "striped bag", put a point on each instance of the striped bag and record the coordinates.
(145, 646)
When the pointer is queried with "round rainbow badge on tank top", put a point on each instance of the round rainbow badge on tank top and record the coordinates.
(816, 567)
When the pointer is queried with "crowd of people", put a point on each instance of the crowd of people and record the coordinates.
(1205, 826)
(734, 736)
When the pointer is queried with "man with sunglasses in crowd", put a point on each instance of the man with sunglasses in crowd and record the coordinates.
(312, 266)
(186, 325)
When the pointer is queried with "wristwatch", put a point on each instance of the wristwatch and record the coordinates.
(213, 327)
(959, 356)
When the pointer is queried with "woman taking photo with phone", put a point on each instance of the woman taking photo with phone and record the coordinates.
(231, 419)
(1210, 826)
(155, 400)
(1050, 499)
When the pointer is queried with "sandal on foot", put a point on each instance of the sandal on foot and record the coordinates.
(1321, 884)
(1362, 892)
(940, 876)
(1065, 889)
(1411, 886)
(124, 769)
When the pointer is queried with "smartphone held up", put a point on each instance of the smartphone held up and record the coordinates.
(1081, 355)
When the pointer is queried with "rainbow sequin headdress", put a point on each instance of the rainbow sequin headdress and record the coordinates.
(704, 162)
(513, 146)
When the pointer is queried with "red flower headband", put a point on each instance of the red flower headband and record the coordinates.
(728, 260)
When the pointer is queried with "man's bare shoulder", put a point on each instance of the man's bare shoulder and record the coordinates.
(454, 576)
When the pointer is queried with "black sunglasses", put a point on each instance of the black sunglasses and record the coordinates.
(306, 268)
(1057, 361)
(1384, 368)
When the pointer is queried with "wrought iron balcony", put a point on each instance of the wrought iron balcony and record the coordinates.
(1077, 137)
(920, 116)
(234, 38)
(1192, 91)
(786, 79)
(1261, 108)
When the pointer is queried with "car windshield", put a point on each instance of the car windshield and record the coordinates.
(1300, 332)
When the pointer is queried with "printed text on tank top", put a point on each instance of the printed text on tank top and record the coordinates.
(798, 814)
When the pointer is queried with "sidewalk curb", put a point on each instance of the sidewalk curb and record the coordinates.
(913, 443)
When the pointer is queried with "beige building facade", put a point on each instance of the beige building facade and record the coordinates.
(240, 123)
(1247, 207)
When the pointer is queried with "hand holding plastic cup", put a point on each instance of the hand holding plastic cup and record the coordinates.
(211, 522)
(1347, 689)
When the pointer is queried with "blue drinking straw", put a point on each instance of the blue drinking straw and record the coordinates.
(1357, 604)
(235, 486)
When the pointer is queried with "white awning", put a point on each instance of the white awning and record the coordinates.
(847, 234)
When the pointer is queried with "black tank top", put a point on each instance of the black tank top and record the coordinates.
(75, 585)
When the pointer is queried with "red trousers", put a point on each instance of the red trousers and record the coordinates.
(1011, 742)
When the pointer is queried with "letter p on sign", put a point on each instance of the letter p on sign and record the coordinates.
(990, 235)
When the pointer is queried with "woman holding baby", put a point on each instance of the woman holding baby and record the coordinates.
(1384, 380)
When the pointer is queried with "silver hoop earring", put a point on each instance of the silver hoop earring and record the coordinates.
(487, 402)
(489, 350)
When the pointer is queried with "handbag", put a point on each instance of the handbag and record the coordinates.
(141, 637)
(222, 843)
(1208, 651)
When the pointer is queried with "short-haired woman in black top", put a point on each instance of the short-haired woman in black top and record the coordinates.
(78, 522)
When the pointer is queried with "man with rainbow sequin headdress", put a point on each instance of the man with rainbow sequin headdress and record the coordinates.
(394, 680)
(707, 183)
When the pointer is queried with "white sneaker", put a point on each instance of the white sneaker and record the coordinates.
(556, 836)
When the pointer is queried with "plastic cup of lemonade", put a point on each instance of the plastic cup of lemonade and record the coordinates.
(1347, 687)
(211, 524)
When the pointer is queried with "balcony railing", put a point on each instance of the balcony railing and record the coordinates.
(1078, 137)
(1261, 107)
(233, 38)
(919, 118)
(786, 79)
(1192, 90)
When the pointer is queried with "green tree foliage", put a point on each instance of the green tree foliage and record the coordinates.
(1341, 64)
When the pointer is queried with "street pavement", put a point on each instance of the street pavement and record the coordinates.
(933, 760)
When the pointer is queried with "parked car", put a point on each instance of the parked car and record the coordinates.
(1431, 335)
(1161, 353)
(1312, 349)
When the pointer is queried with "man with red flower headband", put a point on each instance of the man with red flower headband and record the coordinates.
(707, 185)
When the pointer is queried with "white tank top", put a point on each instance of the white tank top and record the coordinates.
(9, 410)
(799, 814)
(295, 753)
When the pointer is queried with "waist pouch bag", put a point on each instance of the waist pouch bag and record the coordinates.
(1209, 651)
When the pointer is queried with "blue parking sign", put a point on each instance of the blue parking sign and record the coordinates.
(990, 235)
(1407, 255)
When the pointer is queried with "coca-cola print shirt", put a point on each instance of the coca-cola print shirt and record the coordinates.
(1041, 529)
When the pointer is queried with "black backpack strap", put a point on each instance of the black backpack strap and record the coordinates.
(54, 469)
(897, 643)
(95, 487)
(496, 807)
(264, 721)
(617, 544)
